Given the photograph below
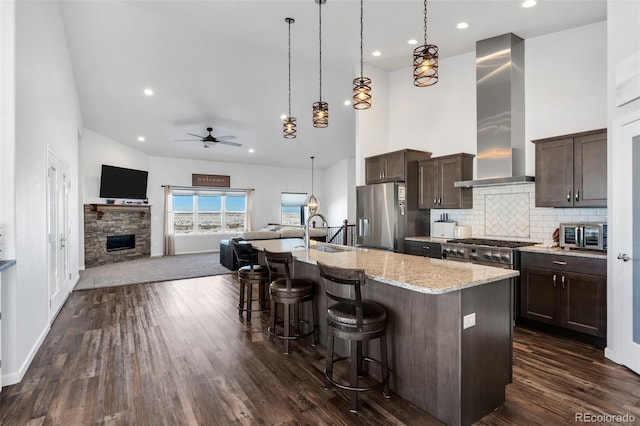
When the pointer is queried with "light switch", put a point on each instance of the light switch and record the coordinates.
(468, 321)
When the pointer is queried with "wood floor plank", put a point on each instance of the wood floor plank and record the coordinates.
(178, 353)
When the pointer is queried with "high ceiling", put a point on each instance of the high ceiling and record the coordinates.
(224, 64)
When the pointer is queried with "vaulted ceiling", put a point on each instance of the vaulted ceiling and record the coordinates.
(224, 64)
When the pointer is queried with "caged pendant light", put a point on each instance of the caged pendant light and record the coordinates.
(312, 201)
(361, 85)
(289, 125)
(425, 60)
(320, 109)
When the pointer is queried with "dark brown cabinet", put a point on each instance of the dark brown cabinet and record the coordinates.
(391, 167)
(571, 170)
(423, 248)
(565, 291)
(436, 178)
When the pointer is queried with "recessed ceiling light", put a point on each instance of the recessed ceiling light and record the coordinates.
(141, 139)
(529, 3)
(376, 53)
(413, 41)
(283, 117)
(251, 151)
(148, 92)
(462, 25)
(347, 102)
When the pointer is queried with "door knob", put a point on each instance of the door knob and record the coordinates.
(624, 257)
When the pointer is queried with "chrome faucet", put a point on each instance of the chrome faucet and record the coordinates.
(306, 228)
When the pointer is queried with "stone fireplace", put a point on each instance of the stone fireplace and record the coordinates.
(116, 233)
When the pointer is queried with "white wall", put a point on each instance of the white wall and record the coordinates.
(47, 114)
(372, 125)
(268, 182)
(565, 92)
(340, 194)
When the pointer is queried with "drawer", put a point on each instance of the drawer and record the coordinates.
(583, 265)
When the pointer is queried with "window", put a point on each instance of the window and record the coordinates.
(292, 208)
(208, 212)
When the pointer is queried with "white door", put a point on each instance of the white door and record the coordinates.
(624, 248)
(57, 234)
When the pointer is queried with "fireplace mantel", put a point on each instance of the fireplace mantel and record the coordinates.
(101, 209)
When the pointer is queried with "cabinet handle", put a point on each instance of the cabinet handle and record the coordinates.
(421, 182)
(435, 200)
(425, 247)
(568, 195)
(577, 194)
(557, 262)
(554, 281)
(439, 200)
(563, 281)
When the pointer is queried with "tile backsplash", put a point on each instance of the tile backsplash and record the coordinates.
(510, 212)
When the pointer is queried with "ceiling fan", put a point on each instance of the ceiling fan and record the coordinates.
(210, 140)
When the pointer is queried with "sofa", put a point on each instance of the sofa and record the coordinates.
(269, 232)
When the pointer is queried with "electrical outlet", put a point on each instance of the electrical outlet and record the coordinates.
(468, 321)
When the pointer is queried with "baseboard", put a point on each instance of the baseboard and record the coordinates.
(198, 252)
(16, 377)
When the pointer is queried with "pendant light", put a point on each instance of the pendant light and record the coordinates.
(425, 60)
(320, 109)
(312, 201)
(361, 85)
(289, 125)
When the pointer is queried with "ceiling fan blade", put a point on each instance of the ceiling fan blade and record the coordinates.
(197, 136)
(188, 140)
(222, 138)
(230, 143)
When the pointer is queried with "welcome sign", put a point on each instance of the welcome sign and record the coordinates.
(219, 181)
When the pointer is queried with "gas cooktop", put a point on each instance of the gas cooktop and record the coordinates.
(491, 243)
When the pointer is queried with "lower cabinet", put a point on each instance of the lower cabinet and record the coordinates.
(423, 248)
(565, 291)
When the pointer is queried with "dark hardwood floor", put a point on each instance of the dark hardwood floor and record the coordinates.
(178, 353)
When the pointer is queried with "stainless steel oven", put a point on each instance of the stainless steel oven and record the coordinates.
(591, 236)
(497, 253)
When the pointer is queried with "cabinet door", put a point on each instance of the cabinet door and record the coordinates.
(554, 173)
(394, 170)
(539, 294)
(373, 170)
(449, 172)
(428, 184)
(413, 247)
(583, 304)
(590, 171)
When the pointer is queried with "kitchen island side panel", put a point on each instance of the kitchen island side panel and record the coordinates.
(427, 342)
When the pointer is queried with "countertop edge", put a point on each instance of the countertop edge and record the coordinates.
(561, 252)
(6, 264)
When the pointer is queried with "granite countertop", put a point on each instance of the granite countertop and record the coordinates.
(6, 264)
(421, 274)
(545, 249)
(427, 239)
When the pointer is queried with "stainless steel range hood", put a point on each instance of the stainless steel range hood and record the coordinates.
(500, 112)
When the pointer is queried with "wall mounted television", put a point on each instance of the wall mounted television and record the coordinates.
(118, 182)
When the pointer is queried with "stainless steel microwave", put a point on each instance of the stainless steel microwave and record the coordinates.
(591, 236)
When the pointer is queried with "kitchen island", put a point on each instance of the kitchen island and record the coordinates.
(455, 371)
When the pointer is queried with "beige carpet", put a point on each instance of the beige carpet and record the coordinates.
(152, 269)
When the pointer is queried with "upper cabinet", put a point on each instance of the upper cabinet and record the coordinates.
(571, 170)
(436, 178)
(391, 167)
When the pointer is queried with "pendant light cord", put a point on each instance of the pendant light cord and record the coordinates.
(320, 43)
(425, 22)
(361, 32)
(312, 175)
(289, 68)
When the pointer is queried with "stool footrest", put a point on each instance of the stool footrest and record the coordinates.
(378, 385)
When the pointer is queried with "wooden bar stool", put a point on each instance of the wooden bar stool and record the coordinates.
(354, 320)
(250, 273)
(290, 292)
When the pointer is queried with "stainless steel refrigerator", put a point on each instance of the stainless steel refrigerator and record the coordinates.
(387, 213)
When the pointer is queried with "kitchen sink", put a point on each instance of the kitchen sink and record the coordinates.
(328, 249)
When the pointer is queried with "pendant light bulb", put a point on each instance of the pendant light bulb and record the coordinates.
(361, 85)
(312, 201)
(320, 109)
(425, 60)
(289, 123)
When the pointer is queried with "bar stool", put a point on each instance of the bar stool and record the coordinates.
(290, 292)
(250, 273)
(354, 320)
